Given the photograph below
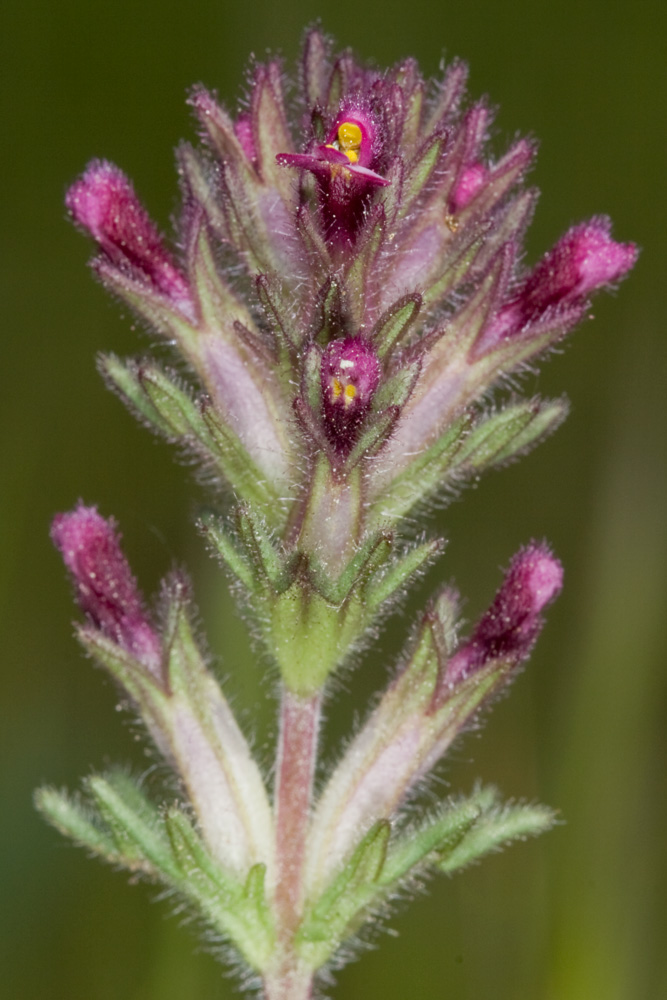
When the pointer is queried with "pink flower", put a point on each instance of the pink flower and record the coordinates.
(349, 376)
(105, 588)
(510, 627)
(584, 260)
(103, 202)
(472, 179)
(344, 166)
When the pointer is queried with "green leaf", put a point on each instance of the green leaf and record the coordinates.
(261, 548)
(494, 829)
(395, 323)
(332, 917)
(413, 112)
(510, 431)
(200, 424)
(196, 862)
(373, 435)
(220, 307)
(134, 823)
(236, 465)
(173, 404)
(457, 264)
(310, 379)
(197, 176)
(366, 250)
(220, 129)
(314, 244)
(373, 553)
(423, 476)
(395, 575)
(160, 398)
(547, 416)
(492, 435)
(153, 307)
(421, 170)
(145, 689)
(257, 908)
(240, 912)
(278, 310)
(186, 669)
(243, 221)
(395, 390)
(76, 819)
(213, 528)
(329, 312)
(123, 378)
(270, 131)
(442, 834)
(315, 66)
(339, 82)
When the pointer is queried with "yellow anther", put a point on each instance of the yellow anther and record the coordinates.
(349, 136)
(350, 392)
(337, 387)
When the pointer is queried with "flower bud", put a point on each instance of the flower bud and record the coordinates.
(585, 259)
(510, 627)
(105, 588)
(472, 179)
(349, 375)
(103, 202)
(243, 132)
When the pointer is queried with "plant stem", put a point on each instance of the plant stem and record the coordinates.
(297, 754)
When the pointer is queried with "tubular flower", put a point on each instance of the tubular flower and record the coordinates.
(350, 375)
(105, 588)
(344, 296)
(104, 204)
(510, 627)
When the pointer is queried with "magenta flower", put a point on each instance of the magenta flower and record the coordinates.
(106, 591)
(585, 259)
(349, 375)
(472, 180)
(103, 203)
(343, 168)
(509, 628)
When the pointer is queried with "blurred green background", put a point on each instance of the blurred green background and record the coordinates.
(578, 915)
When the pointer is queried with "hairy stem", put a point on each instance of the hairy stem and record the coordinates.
(297, 754)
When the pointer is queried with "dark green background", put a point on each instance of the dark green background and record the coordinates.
(578, 915)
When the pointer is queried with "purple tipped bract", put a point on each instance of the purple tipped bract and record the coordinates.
(105, 588)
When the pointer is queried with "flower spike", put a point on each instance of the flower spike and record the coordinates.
(348, 295)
